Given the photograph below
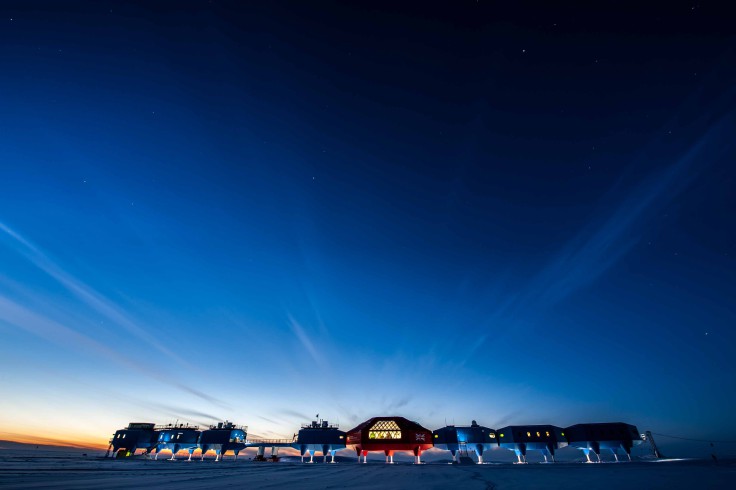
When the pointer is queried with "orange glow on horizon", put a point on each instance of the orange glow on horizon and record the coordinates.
(51, 441)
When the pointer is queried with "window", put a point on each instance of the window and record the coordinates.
(539, 435)
(493, 436)
(547, 433)
(528, 434)
(385, 429)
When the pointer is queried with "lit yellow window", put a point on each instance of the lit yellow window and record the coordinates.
(528, 434)
(493, 436)
(547, 433)
(539, 435)
(385, 429)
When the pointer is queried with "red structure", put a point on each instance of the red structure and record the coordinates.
(389, 434)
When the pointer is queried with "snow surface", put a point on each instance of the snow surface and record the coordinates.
(47, 468)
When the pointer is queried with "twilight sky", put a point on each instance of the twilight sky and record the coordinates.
(514, 214)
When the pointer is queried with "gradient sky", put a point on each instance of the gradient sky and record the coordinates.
(514, 214)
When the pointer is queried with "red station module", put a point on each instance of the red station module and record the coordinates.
(389, 434)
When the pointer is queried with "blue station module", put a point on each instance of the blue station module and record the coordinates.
(176, 438)
(612, 436)
(319, 436)
(474, 438)
(520, 438)
(223, 437)
(138, 435)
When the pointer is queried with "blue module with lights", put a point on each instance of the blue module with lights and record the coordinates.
(520, 438)
(177, 438)
(223, 437)
(463, 439)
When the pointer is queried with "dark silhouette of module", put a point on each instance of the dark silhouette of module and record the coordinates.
(320, 436)
(612, 436)
(138, 435)
(223, 437)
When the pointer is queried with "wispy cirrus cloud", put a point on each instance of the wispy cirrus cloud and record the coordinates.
(58, 333)
(306, 341)
(53, 330)
(90, 297)
(608, 238)
(595, 250)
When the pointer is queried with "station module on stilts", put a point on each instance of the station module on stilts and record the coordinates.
(389, 434)
(462, 439)
(319, 436)
(613, 436)
(177, 438)
(138, 435)
(223, 437)
(521, 438)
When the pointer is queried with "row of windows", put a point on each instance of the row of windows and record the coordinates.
(531, 434)
(384, 434)
(120, 436)
(491, 435)
(161, 437)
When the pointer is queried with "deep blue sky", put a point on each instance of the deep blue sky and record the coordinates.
(472, 211)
